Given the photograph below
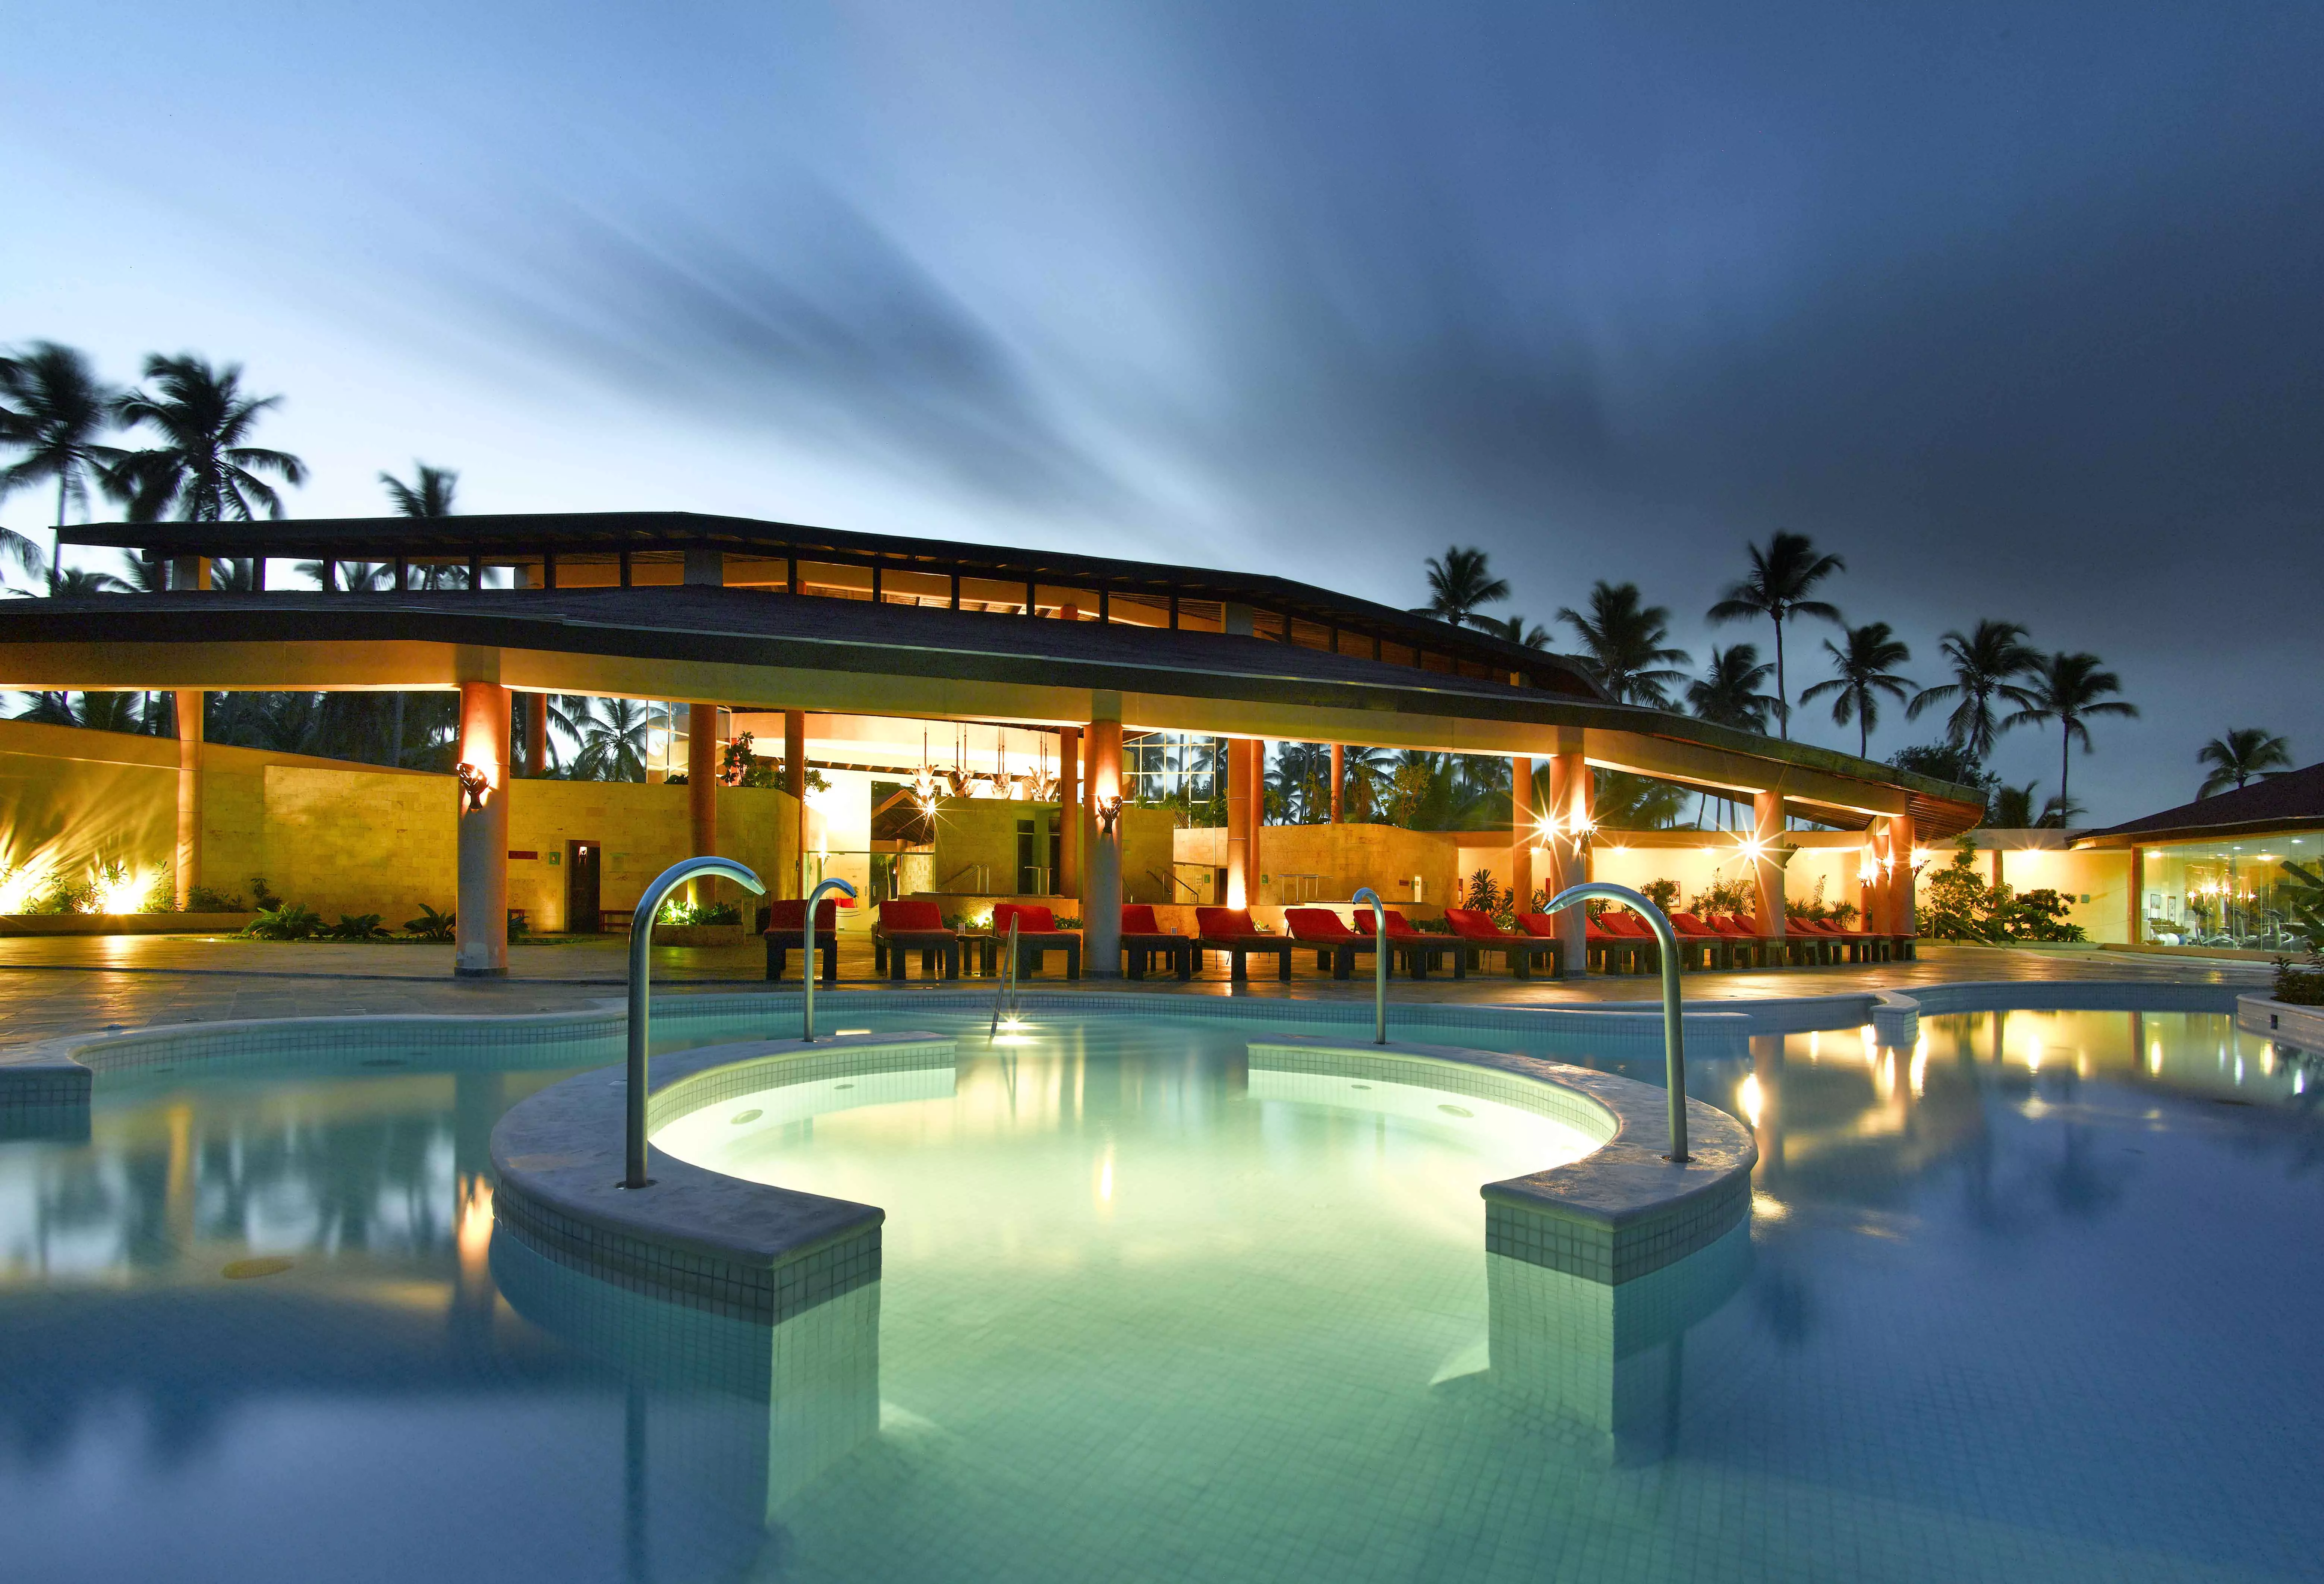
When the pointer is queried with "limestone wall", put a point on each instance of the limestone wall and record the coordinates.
(982, 831)
(1341, 858)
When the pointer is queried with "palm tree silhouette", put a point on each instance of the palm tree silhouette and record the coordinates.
(1457, 584)
(1862, 675)
(2243, 753)
(1623, 640)
(1985, 662)
(1515, 630)
(1780, 578)
(202, 472)
(430, 494)
(52, 409)
(613, 733)
(1727, 694)
(2071, 688)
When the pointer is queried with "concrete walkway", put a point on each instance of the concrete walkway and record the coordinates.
(51, 985)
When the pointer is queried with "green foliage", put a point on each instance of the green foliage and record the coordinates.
(1957, 904)
(263, 893)
(738, 767)
(284, 921)
(202, 900)
(1730, 896)
(1488, 896)
(677, 910)
(1620, 801)
(431, 926)
(354, 926)
(1662, 894)
(2302, 986)
(2037, 915)
(519, 926)
(2300, 894)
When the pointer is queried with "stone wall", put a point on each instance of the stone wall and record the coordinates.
(1341, 860)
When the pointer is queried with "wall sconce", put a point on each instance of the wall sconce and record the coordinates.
(1109, 810)
(474, 783)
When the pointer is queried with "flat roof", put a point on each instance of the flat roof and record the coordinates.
(580, 537)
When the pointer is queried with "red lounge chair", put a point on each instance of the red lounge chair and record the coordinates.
(1144, 938)
(1037, 936)
(786, 928)
(1336, 943)
(914, 926)
(1745, 933)
(1422, 951)
(1231, 930)
(1479, 934)
(1697, 938)
(1815, 945)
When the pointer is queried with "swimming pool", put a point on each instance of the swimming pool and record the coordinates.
(2038, 1314)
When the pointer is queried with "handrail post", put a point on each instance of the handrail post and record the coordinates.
(641, 925)
(1674, 1023)
(806, 1020)
(1380, 963)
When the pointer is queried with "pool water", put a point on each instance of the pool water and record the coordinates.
(2033, 1299)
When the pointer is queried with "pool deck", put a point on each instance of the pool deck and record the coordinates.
(51, 985)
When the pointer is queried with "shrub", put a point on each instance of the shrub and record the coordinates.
(431, 926)
(1662, 894)
(1959, 905)
(1735, 896)
(285, 921)
(262, 893)
(2038, 915)
(519, 926)
(354, 926)
(202, 900)
(2302, 986)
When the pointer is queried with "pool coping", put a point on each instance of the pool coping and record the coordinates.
(1623, 1210)
(752, 1251)
(2285, 1022)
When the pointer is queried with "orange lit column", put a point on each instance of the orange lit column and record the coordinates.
(190, 793)
(1569, 850)
(1902, 901)
(1070, 818)
(1240, 876)
(702, 790)
(795, 783)
(2137, 896)
(1879, 901)
(1767, 864)
(1339, 777)
(481, 933)
(1521, 829)
(1101, 924)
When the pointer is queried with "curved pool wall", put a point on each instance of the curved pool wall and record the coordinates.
(749, 1251)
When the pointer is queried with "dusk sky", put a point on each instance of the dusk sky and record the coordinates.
(2019, 308)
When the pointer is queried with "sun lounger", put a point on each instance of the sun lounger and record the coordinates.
(1143, 938)
(1037, 936)
(786, 932)
(914, 926)
(1336, 943)
(1231, 930)
(1478, 934)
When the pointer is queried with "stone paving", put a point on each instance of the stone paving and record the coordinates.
(51, 985)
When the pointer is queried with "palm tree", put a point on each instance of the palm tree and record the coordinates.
(2243, 753)
(1728, 694)
(1457, 584)
(2011, 808)
(1782, 577)
(1861, 675)
(1368, 771)
(52, 409)
(430, 494)
(77, 582)
(1623, 640)
(612, 741)
(1984, 664)
(1300, 780)
(202, 472)
(1515, 630)
(2071, 688)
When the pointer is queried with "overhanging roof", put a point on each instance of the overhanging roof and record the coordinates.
(749, 648)
(2293, 801)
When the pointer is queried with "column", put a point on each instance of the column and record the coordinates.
(1101, 924)
(2137, 896)
(190, 793)
(1767, 868)
(1240, 877)
(481, 934)
(795, 783)
(1879, 907)
(1904, 899)
(1254, 859)
(1070, 820)
(1570, 788)
(702, 790)
(1521, 830)
(1339, 777)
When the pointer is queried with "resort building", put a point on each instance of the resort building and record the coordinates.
(962, 722)
(2218, 873)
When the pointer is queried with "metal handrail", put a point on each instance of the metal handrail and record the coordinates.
(806, 1010)
(1004, 994)
(1674, 1025)
(1380, 964)
(641, 925)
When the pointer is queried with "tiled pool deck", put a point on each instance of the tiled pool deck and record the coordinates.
(54, 986)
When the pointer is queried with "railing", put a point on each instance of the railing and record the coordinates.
(642, 924)
(1380, 964)
(1674, 1025)
(983, 874)
(1004, 994)
(807, 1016)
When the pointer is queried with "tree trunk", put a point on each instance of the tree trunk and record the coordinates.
(1783, 695)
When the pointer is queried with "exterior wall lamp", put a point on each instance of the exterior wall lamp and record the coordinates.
(1109, 810)
(474, 783)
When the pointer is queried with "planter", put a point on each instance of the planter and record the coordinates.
(699, 935)
(123, 924)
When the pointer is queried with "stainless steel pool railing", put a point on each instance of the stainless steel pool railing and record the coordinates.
(1380, 964)
(806, 1008)
(641, 925)
(1004, 994)
(1674, 1023)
